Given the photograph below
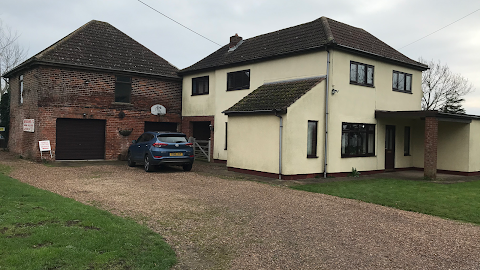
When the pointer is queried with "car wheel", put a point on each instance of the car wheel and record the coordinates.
(130, 161)
(187, 167)
(147, 165)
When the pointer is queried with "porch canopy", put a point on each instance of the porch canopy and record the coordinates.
(431, 131)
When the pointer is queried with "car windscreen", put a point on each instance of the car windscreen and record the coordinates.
(171, 139)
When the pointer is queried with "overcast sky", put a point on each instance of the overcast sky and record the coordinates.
(396, 22)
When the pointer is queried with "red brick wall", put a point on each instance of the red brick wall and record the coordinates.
(431, 142)
(19, 141)
(52, 93)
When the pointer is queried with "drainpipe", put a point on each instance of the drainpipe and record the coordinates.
(279, 146)
(326, 116)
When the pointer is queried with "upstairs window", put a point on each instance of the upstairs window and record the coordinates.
(402, 82)
(361, 74)
(123, 89)
(20, 80)
(238, 80)
(358, 140)
(200, 86)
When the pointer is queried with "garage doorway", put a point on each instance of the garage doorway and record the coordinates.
(160, 126)
(201, 130)
(80, 139)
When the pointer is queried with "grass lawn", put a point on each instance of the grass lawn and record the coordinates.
(460, 201)
(43, 230)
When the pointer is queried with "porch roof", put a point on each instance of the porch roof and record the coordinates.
(441, 116)
(274, 97)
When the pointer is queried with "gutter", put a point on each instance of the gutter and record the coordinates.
(326, 115)
(279, 145)
(33, 62)
(274, 111)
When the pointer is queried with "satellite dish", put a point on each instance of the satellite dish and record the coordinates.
(158, 110)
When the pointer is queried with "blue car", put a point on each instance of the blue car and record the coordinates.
(154, 149)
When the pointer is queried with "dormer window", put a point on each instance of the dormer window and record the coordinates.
(361, 74)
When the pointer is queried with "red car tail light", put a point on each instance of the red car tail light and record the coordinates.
(189, 144)
(159, 144)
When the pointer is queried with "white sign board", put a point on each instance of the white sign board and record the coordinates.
(158, 110)
(2, 128)
(29, 125)
(44, 145)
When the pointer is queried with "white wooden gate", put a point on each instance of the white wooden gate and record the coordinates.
(201, 149)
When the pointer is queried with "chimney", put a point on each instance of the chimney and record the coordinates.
(234, 40)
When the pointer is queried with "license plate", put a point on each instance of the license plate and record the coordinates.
(176, 154)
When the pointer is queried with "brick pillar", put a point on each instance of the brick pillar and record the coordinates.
(431, 142)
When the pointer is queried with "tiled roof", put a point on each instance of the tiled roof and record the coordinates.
(275, 96)
(308, 36)
(102, 46)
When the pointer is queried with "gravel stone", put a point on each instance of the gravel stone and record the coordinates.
(218, 223)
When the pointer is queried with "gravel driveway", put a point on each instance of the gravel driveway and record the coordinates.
(215, 223)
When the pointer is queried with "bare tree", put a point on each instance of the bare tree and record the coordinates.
(11, 54)
(443, 90)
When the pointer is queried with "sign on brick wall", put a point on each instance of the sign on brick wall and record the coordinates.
(29, 125)
(44, 145)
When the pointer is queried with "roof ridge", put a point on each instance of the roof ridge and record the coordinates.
(328, 31)
(39, 55)
(100, 45)
(272, 32)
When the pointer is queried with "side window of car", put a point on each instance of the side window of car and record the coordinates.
(140, 139)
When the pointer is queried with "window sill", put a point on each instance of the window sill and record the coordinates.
(122, 104)
(345, 156)
(359, 84)
(402, 91)
(235, 89)
(408, 155)
(312, 156)
(200, 94)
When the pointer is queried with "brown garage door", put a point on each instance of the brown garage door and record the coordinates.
(80, 139)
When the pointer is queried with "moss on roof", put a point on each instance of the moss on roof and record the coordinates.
(275, 96)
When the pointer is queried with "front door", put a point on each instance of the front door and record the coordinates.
(389, 147)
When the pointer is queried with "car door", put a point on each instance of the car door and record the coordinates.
(143, 146)
(135, 149)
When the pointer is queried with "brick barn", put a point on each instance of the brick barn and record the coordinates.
(91, 94)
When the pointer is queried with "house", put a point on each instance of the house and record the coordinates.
(322, 98)
(90, 94)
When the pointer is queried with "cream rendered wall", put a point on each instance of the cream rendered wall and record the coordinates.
(311, 106)
(219, 99)
(253, 142)
(474, 139)
(357, 104)
(453, 146)
(200, 105)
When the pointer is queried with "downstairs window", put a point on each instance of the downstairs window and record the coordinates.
(358, 140)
